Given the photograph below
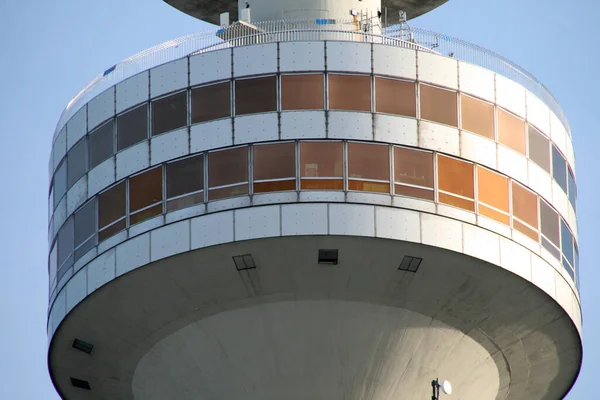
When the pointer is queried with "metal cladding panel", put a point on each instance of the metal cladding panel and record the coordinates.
(560, 201)
(394, 129)
(101, 176)
(210, 230)
(351, 219)
(169, 145)
(301, 56)
(76, 289)
(59, 148)
(560, 137)
(441, 232)
(133, 159)
(512, 164)
(349, 56)
(539, 180)
(415, 204)
(456, 213)
(77, 195)
(146, 226)
(59, 308)
(398, 224)
(481, 244)
(101, 270)
(477, 81)
(394, 61)
(538, 114)
(437, 69)
(493, 225)
(542, 276)
(52, 264)
(101, 108)
(210, 67)
(477, 148)
(350, 125)
(188, 212)
(304, 219)
(439, 137)
(170, 240)
(256, 128)
(211, 135)
(303, 124)
(132, 91)
(369, 198)
(60, 214)
(254, 60)
(257, 222)
(526, 241)
(510, 95)
(515, 258)
(169, 77)
(112, 241)
(133, 254)
(77, 127)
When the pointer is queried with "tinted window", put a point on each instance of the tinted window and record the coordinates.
(397, 97)
(185, 178)
(368, 163)
(101, 144)
(511, 131)
(60, 182)
(477, 116)
(302, 92)
(85, 222)
(566, 243)
(559, 168)
(539, 148)
(525, 208)
(350, 92)
(455, 177)
(492, 195)
(321, 165)
(438, 105)
(169, 113)
(211, 102)
(572, 188)
(132, 127)
(550, 223)
(111, 205)
(255, 95)
(413, 172)
(228, 168)
(145, 189)
(274, 162)
(66, 241)
(77, 162)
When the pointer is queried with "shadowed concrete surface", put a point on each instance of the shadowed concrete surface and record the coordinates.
(194, 326)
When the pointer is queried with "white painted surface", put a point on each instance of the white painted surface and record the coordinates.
(512, 164)
(146, 226)
(394, 129)
(542, 276)
(570, 154)
(415, 204)
(257, 222)
(211, 135)
(132, 91)
(526, 241)
(478, 149)
(213, 229)
(303, 124)
(101, 107)
(77, 195)
(351, 219)
(493, 225)
(439, 137)
(394, 61)
(59, 148)
(538, 113)
(256, 128)
(112, 241)
(169, 77)
(255, 59)
(170, 240)
(76, 289)
(476, 81)
(397, 224)
(86, 258)
(539, 181)
(77, 127)
(101, 270)
(229, 204)
(133, 254)
(515, 258)
(564, 294)
(188, 212)
(560, 201)
(441, 232)
(59, 307)
(350, 125)
(301, 56)
(211, 66)
(169, 145)
(101, 176)
(133, 159)
(456, 213)
(274, 198)
(559, 136)
(304, 219)
(349, 56)
(322, 196)
(436, 69)
(510, 95)
(482, 244)
(369, 198)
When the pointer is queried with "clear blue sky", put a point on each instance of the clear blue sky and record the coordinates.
(50, 49)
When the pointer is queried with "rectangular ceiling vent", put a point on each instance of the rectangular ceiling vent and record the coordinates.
(81, 384)
(328, 256)
(83, 346)
(410, 264)
(244, 262)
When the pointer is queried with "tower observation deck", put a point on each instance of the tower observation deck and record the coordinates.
(313, 200)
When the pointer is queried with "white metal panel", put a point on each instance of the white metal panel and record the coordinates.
(169, 77)
(170, 240)
(350, 125)
(188, 212)
(257, 222)
(510, 95)
(133, 254)
(133, 159)
(515, 258)
(437, 69)
(212, 229)
(493, 225)
(322, 196)
(274, 198)
(52, 263)
(255, 60)
(540, 181)
(560, 201)
(476, 81)
(168, 146)
(369, 198)
(577, 313)
(101, 107)
(572, 221)
(60, 214)
(50, 205)
(543, 275)
(481, 244)
(439, 137)
(112, 241)
(132, 91)
(77, 127)
(211, 66)
(526, 241)
(304, 219)
(397, 224)
(564, 295)
(146, 226)
(303, 124)
(59, 148)
(256, 128)
(86, 258)
(351, 219)
(550, 259)
(457, 213)
(394, 129)
(228, 204)
(101, 176)
(65, 278)
(538, 113)
(441, 232)
(301, 56)
(77, 195)
(211, 135)
(559, 135)
(349, 56)
(570, 154)
(512, 164)
(415, 204)
(394, 61)
(478, 149)
(59, 308)
(76, 289)
(101, 270)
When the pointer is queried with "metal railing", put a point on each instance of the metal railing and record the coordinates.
(371, 31)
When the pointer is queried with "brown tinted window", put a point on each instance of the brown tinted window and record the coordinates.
(111, 205)
(477, 116)
(255, 95)
(319, 160)
(228, 168)
(111, 230)
(145, 189)
(393, 96)
(302, 92)
(169, 113)
(550, 223)
(349, 92)
(413, 167)
(456, 178)
(539, 148)
(525, 205)
(368, 161)
(211, 102)
(101, 144)
(438, 105)
(274, 162)
(511, 131)
(77, 162)
(185, 178)
(132, 127)
(492, 194)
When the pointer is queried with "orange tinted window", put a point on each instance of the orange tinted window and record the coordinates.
(525, 205)
(492, 189)
(368, 161)
(438, 105)
(511, 131)
(477, 116)
(455, 176)
(145, 189)
(413, 167)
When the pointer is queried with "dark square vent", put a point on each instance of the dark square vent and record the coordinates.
(410, 264)
(81, 384)
(83, 346)
(328, 256)
(244, 262)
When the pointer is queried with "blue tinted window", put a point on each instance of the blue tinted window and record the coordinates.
(568, 268)
(572, 188)
(566, 240)
(559, 168)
